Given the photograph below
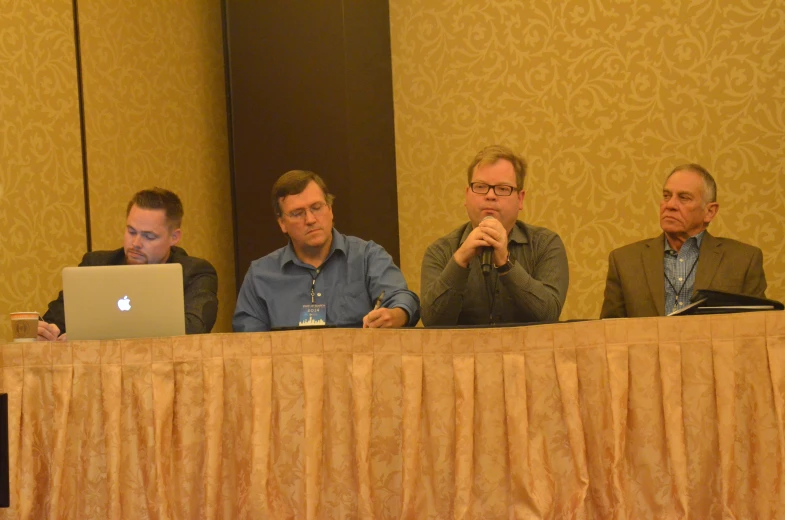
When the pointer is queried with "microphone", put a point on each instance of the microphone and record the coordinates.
(486, 257)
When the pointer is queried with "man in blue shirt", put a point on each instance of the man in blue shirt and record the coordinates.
(320, 277)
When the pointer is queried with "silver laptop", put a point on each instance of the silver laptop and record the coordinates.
(124, 301)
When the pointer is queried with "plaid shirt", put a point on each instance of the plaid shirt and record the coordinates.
(680, 269)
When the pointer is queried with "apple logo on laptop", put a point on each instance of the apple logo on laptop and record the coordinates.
(124, 304)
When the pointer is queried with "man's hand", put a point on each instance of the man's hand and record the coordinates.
(489, 232)
(385, 318)
(48, 331)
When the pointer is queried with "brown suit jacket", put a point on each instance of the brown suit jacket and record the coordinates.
(635, 286)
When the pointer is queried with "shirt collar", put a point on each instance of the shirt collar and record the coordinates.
(518, 235)
(698, 239)
(338, 243)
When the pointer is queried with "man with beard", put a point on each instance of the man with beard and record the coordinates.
(152, 231)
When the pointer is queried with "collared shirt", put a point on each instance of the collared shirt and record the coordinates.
(680, 269)
(348, 282)
(533, 291)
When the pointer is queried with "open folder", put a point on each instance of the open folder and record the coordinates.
(719, 302)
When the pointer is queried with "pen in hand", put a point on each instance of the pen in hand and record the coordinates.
(379, 301)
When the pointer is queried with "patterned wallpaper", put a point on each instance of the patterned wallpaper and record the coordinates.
(603, 99)
(155, 115)
(155, 111)
(41, 203)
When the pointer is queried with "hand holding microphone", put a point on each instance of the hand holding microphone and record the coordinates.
(486, 257)
(488, 241)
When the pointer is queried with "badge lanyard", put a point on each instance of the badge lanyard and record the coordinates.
(684, 284)
(313, 314)
(313, 284)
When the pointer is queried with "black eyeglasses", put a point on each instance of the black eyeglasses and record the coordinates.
(502, 190)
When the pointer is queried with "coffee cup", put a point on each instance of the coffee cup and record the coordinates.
(24, 326)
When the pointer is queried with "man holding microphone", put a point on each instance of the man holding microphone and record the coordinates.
(525, 276)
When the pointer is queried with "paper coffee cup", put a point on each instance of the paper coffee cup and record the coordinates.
(24, 326)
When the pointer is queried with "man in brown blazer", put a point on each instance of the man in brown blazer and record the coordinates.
(657, 276)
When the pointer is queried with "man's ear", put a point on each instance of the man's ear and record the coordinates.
(175, 236)
(282, 225)
(711, 211)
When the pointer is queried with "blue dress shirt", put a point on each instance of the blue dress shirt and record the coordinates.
(349, 281)
(680, 270)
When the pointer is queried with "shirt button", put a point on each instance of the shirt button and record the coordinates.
(680, 279)
(319, 294)
(681, 259)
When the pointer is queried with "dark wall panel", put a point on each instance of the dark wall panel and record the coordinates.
(311, 89)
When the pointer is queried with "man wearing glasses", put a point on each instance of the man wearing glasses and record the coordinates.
(321, 277)
(526, 275)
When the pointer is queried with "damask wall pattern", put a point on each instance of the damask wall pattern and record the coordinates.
(41, 202)
(155, 110)
(155, 113)
(603, 99)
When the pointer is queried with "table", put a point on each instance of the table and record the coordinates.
(639, 418)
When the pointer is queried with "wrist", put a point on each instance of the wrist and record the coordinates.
(400, 317)
(460, 260)
(500, 258)
(498, 264)
(506, 267)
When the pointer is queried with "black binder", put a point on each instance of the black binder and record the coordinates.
(720, 302)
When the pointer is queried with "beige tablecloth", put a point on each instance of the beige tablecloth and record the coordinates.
(642, 418)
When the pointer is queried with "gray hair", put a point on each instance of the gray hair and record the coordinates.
(709, 185)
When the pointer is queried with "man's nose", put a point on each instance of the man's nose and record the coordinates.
(310, 218)
(136, 241)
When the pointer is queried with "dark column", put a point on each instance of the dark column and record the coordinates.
(311, 89)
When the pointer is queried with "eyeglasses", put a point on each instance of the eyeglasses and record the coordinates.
(502, 190)
(316, 210)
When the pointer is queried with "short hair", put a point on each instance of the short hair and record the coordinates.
(492, 154)
(709, 185)
(294, 182)
(159, 198)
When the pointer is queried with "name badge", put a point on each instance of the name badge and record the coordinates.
(313, 315)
